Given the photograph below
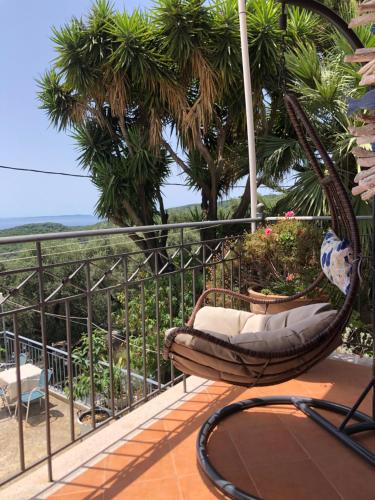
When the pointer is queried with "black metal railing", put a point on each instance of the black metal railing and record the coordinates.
(107, 303)
(106, 298)
(58, 363)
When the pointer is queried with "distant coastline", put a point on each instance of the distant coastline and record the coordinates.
(66, 220)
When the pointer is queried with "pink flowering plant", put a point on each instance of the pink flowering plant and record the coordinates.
(283, 258)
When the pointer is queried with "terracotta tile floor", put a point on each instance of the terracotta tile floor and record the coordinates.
(276, 454)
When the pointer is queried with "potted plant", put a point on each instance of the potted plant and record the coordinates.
(85, 417)
(283, 259)
(101, 375)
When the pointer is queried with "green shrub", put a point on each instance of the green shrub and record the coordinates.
(81, 360)
(357, 337)
(169, 308)
(283, 258)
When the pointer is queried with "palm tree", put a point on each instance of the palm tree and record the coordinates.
(125, 83)
(324, 83)
(110, 87)
(212, 131)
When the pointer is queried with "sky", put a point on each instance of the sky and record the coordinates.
(26, 138)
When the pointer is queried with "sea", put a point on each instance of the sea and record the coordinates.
(66, 220)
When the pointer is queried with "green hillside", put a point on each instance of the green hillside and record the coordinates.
(183, 213)
(187, 213)
(47, 227)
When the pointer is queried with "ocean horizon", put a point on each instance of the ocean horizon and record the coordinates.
(66, 220)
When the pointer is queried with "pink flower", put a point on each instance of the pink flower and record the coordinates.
(268, 231)
(289, 214)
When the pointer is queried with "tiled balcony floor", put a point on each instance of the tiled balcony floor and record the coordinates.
(276, 454)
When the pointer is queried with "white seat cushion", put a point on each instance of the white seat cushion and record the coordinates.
(262, 332)
(232, 322)
(221, 320)
(273, 336)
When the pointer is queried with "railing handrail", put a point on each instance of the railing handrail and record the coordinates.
(314, 218)
(29, 238)
(64, 354)
(121, 230)
(36, 343)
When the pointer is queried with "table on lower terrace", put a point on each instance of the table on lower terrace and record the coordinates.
(29, 380)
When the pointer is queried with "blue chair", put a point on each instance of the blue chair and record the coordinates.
(4, 398)
(22, 358)
(36, 394)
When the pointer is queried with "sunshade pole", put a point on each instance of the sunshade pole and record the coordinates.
(249, 111)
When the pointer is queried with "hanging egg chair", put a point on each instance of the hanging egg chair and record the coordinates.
(243, 348)
(247, 349)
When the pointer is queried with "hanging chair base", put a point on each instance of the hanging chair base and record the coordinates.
(307, 406)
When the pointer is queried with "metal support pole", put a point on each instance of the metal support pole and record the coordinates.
(4, 326)
(249, 111)
(68, 327)
(2, 300)
(90, 340)
(110, 355)
(19, 407)
(127, 333)
(43, 327)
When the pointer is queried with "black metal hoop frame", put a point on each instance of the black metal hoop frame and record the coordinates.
(363, 423)
(306, 405)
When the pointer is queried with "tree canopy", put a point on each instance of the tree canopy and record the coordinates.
(143, 89)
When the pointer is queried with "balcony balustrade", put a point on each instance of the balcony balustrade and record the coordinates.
(106, 298)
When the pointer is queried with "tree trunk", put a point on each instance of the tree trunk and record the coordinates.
(243, 206)
(204, 206)
(148, 243)
(209, 234)
(239, 212)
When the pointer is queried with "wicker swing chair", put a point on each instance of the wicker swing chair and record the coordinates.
(253, 349)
